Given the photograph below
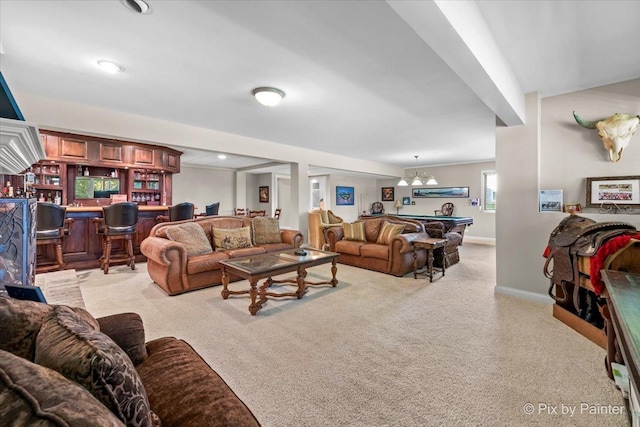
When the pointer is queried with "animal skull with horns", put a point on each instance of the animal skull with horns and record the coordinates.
(615, 131)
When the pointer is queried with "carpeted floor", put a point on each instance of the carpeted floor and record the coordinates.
(378, 350)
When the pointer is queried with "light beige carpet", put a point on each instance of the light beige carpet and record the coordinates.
(382, 351)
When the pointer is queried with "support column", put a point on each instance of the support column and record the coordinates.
(300, 196)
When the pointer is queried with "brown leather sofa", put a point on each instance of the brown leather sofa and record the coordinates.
(395, 258)
(106, 375)
(175, 272)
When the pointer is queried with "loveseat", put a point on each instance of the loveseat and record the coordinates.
(59, 366)
(183, 255)
(393, 255)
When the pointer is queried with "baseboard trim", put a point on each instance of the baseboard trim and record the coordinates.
(480, 240)
(519, 293)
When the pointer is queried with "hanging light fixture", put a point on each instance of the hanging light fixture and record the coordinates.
(268, 96)
(417, 179)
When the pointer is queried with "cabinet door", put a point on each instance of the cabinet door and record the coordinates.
(51, 146)
(111, 153)
(73, 149)
(143, 156)
(171, 162)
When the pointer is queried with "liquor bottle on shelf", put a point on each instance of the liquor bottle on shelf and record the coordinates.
(86, 171)
(57, 200)
(41, 198)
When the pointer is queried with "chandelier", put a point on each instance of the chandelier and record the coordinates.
(417, 179)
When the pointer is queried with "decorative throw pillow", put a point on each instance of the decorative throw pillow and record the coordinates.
(20, 322)
(332, 218)
(69, 345)
(265, 230)
(388, 231)
(192, 236)
(31, 394)
(354, 231)
(231, 238)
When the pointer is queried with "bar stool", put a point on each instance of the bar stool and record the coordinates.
(212, 209)
(51, 227)
(178, 212)
(118, 222)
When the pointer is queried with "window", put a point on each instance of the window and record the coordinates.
(489, 190)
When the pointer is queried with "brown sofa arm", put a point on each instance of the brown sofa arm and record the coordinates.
(164, 251)
(334, 234)
(127, 331)
(292, 237)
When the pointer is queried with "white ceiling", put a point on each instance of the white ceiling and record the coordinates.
(361, 78)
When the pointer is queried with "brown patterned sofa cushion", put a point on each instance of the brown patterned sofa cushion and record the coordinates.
(265, 230)
(21, 321)
(32, 395)
(192, 236)
(191, 391)
(73, 347)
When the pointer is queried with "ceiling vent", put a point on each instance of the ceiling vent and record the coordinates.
(138, 6)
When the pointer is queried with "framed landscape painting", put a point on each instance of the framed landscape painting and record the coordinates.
(442, 192)
(344, 196)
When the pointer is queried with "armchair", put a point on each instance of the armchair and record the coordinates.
(319, 222)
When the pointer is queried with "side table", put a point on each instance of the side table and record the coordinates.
(430, 245)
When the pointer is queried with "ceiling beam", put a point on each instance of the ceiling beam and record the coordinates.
(457, 32)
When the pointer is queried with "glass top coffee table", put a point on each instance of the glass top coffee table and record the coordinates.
(256, 267)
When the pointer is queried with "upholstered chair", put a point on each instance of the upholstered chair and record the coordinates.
(319, 221)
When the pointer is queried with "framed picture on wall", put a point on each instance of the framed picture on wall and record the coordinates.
(624, 191)
(442, 192)
(345, 196)
(406, 201)
(263, 194)
(550, 200)
(388, 194)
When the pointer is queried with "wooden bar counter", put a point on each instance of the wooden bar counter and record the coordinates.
(83, 247)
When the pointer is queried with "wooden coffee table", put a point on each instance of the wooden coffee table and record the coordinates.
(430, 245)
(266, 266)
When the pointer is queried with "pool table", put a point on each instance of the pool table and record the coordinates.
(451, 223)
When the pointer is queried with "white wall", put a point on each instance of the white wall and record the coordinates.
(463, 175)
(203, 187)
(551, 151)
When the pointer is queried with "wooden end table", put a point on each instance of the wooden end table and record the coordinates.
(429, 245)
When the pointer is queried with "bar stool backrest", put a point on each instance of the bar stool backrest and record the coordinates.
(49, 217)
(181, 211)
(212, 209)
(121, 215)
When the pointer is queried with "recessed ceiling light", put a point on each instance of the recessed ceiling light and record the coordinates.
(222, 156)
(268, 96)
(110, 67)
(138, 6)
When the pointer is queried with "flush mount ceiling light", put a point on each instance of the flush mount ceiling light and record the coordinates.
(138, 6)
(268, 96)
(110, 67)
(222, 156)
(417, 179)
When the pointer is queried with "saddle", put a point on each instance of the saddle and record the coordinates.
(576, 236)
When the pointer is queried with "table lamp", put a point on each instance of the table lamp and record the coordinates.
(397, 204)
